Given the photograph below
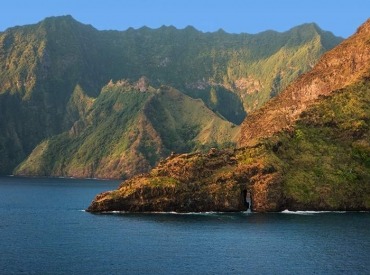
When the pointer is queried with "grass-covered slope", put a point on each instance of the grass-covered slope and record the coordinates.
(125, 131)
(327, 156)
(104, 128)
(323, 163)
(42, 64)
(185, 124)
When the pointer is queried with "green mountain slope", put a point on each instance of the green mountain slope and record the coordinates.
(316, 158)
(331, 148)
(125, 131)
(321, 164)
(41, 65)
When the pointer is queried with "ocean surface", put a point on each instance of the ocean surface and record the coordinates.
(44, 230)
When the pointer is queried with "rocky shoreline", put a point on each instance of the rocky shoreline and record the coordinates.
(213, 182)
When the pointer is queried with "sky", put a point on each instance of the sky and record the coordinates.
(342, 17)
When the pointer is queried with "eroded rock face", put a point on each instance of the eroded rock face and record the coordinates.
(345, 64)
(216, 181)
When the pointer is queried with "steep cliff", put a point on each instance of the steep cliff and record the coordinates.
(348, 63)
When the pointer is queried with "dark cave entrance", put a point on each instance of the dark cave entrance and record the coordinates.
(247, 199)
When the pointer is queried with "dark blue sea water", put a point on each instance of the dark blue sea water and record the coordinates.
(44, 230)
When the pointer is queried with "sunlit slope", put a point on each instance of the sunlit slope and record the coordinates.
(127, 131)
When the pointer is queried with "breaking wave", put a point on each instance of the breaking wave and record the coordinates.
(286, 211)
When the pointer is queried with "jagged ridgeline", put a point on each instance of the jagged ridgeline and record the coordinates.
(43, 66)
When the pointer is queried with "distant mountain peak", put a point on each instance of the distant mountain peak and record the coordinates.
(64, 21)
(190, 28)
(62, 18)
(311, 25)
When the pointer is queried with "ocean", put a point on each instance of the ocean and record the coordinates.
(45, 230)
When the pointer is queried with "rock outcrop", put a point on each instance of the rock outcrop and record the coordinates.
(196, 182)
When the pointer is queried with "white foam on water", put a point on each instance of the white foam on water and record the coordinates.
(286, 211)
(248, 212)
(114, 212)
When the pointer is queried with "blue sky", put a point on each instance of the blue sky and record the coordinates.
(342, 17)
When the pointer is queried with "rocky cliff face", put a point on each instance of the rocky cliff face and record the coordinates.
(217, 181)
(346, 64)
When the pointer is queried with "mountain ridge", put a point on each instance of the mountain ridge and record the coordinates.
(320, 162)
(42, 64)
(152, 124)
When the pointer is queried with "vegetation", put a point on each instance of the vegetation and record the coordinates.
(313, 152)
(327, 156)
(51, 72)
(323, 163)
(124, 131)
